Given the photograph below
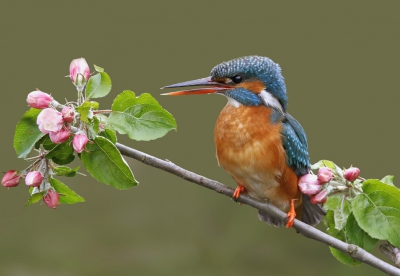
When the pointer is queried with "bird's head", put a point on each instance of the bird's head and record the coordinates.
(251, 81)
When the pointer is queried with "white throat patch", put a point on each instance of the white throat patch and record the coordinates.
(270, 100)
(233, 102)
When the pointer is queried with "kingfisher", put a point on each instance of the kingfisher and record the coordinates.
(257, 142)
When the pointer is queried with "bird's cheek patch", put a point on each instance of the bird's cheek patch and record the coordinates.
(253, 86)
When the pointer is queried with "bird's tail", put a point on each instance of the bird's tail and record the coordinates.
(271, 220)
(311, 214)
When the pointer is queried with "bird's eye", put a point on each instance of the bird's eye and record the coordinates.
(237, 79)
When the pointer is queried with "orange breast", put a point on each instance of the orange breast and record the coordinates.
(249, 147)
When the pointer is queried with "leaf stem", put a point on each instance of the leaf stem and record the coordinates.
(102, 111)
(38, 158)
(79, 97)
(34, 157)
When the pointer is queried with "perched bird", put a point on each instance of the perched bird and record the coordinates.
(257, 142)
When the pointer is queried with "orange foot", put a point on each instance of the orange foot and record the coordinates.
(240, 189)
(291, 214)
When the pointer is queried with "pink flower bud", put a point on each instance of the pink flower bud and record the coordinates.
(50, 120)
(11, 179)
(78, 67)
(319, 198)
(309, 178)
(324, 175)
(68, 114)
(79, 142)
(309, 184)
(60, 136)
(51, 198)
(352, 173)
(39, 99)
(34, 179)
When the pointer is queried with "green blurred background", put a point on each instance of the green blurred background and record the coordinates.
(341, 64)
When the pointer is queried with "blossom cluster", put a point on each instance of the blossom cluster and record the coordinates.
(318, 187)
(59, 125)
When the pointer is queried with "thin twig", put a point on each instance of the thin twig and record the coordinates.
(305, 229)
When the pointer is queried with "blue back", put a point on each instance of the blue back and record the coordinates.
(295, 144)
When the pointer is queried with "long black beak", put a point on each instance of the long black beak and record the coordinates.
(215, 87)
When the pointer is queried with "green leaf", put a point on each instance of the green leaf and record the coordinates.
(341, 208)
(389, 179)
(142, 118)
(358, 236)
(40, 141)
(93, 126)
(34, 198)
(329, 221)
(98, 68)
(65, 171)
(27, 133)
(47, 143)
(105, 163)
(110, 135)
(341, 214)
(377, 211)
(67, 196)
(323, 163)
(98, 85)
(333, 203)
(63, 161)
(337, 172)
(85, 110)
(343, 257)
(62, 153)
(103, 118)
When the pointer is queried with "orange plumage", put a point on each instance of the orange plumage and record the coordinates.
(249, 147)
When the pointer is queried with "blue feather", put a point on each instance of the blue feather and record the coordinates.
(244, 96)
(295, 144)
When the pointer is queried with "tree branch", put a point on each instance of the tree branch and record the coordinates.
(305, 229)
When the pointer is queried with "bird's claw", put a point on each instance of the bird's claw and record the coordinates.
(291, 217)
(240, 189)
(291, 214)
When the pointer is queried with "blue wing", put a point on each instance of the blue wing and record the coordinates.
(295, 145)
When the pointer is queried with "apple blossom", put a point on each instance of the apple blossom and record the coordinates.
(51, 198)
(325, 175)
(68, 114)
(11, 179)
(319, 198)
(309, 184)
(34, 179)
(50, 120)
(39, 99)
(79, 142)
(78, 69)
(60, 136)
(352, 173)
